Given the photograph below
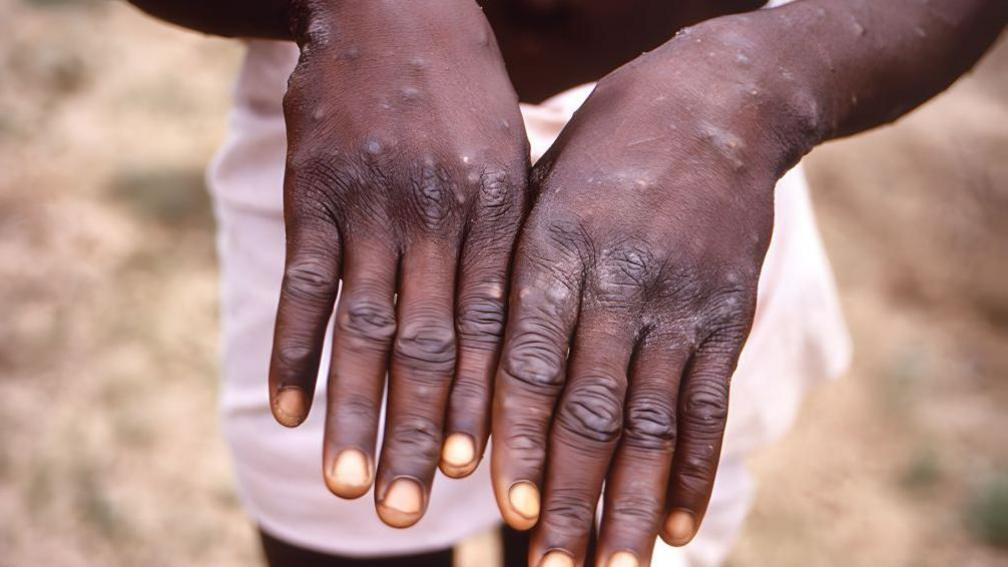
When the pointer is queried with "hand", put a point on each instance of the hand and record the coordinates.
(406, 176)
(641, 256)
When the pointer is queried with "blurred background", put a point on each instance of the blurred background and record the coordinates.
(110, 452)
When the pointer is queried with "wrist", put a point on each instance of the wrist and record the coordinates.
(733, 71)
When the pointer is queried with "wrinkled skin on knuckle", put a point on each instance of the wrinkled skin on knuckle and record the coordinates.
(726, 320)
(355, 409)
(592, 410)
(698, 304)
(534, 357)
(730, 297)
(435, 197)
(320, 185)
(481, 321)
(623, 273)
(706, 407)
(427, 346)
(417, 438)
(370, 322)
(681, 283)
(555, 279)
(526, 441)
(553, 241)
(294, 354)
(635, 511)
(310, 280)
(650, 422)
(569, 513)
(697, 469)
(500, 196)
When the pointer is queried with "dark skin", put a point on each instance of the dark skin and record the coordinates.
(641, 252)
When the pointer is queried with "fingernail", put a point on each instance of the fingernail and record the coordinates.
(680, 527)
(459, 450)
(623, 559)
(557, 559)
(524, 498)
(291, 405)
(350, 474)
(402, 503)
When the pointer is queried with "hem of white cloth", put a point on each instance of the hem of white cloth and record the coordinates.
(364, 550)
(383, 550)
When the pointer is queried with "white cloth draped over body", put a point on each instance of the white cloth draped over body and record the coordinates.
(798, 338)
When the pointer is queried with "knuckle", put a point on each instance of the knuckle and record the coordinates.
(680, 286)
(367, 319)
(569, 512)
(295, 356)
(650, 422)
(497, 194)
(426, 345)
(420, 436)
(625, 270)
(481, 321)
(732, 304)
(697, 467)
(321, 180)
(535, 359)
(593, 411)
(433, 195)
(730, 314)
(526, 446)
(707, 405)
(568, 237)
(525, 438)
(640, 509)
(339, 187)
(354, 409)
(311, 280)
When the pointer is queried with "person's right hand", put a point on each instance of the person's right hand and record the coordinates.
(406, 175)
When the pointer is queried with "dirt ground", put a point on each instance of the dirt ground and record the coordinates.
(110, 452)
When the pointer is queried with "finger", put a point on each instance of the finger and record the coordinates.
(307, 294)
(587, 427)
(543, 311)
(479, 320)
(636, 486)
(365, 325)
(423, 362)
(702, 411)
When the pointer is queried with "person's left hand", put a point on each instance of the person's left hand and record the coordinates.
(641, 256)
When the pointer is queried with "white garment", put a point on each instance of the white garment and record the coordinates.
(798, 337)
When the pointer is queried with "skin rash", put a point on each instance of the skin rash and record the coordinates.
(632, 281)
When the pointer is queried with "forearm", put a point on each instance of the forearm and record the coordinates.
(303, 20)
(787, 79)
(267, 19)
(867, 62)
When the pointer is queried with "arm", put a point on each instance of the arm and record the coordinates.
(643, 251)
(265, 19)
(856, 64)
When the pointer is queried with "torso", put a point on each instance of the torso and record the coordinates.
(552, 45)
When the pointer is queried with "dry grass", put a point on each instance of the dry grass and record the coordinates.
(109, 446)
